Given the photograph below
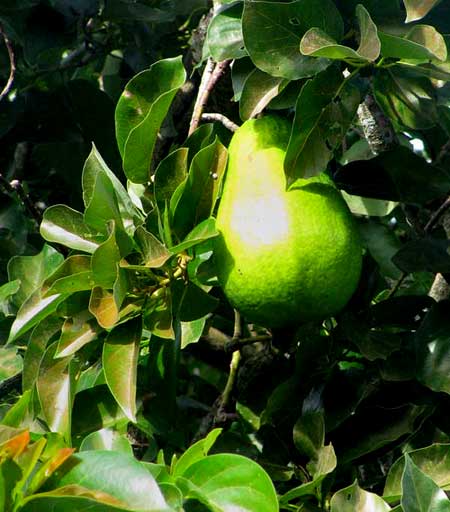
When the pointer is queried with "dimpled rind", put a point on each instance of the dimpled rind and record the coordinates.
(282, 257)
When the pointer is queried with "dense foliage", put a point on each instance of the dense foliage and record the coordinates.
(127, 382)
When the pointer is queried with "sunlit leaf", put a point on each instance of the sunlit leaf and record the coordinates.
(66, 226)
(273, 30)
(140, 112)
(417, 9)
(318, 43)
(120, 358)
(353, 498)
(224, 37)
(102, 305)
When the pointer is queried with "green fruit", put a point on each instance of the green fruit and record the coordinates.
(282, 257)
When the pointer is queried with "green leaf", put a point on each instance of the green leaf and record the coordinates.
(224, 38)
(229, 482)
(107, 439)
(309, 433)
(408, 100)
(369, 207)
(318, 43)
(140, 112)
(102, 304)
(10, 474)
(191, 302)
(74, 497)
(95, 408)
(353, 498)
(6, 292)
(203, 231)
(114, 473)
(73, 275)
(325, 109)
(417, 9)
(423, 255)
(199, 194)
(395, 175)
(433, 349)
(196, 452)
(422, 42)
(77, 331)
(40, 338)
(432, 460)
(273, 30)
(66, 226)
(192, 331)
(55, 391)
(35, 309)
(259, 89)
(154, 252)
(105, 261)
(171, 171)
(120, 358)
(10, 362)
(420, 492)
(32, 271)
(105, 199)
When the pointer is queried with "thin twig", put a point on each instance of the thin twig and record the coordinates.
(397, 285)
(437, 215)
(12, 64)
(211, 75)
(15, 187)
(221, 119)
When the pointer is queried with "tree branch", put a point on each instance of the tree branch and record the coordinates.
(221, 119)
(12, 63)
(211, 75)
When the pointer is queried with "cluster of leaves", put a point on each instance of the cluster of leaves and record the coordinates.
(110, 322)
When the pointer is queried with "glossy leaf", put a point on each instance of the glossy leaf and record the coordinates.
(106, 199)
(369, 207)
(191, 302)
(272, 33)
(66, 226)
(200, 192)
(407, 100)
(171, 171)
(10, 362)
(55, 391)
(422, 42)
(318, 43)
(77, 331)
(225, 40)
(120, 358)
(420, 492)
(259, 89)
(205, 230)
(40, 338)
(32, 271)
(140, 111)
(417, 9)
(433, 460)
(102, 305)
(34, 310)
(192, 331)
(353, 498)
(6, 292)
(107, 439)
(196, 452)
(105, 261)
(114, 473)
(325, 108)
(229, 482)
(154, 252)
